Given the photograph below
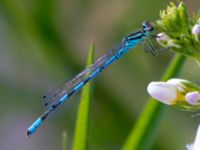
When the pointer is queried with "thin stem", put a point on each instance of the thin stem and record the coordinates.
(64, 140)
(81, 136)
(145, 130)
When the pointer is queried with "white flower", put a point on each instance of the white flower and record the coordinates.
(164, 92)
(196, 145)
(189, 146)
(179, 92)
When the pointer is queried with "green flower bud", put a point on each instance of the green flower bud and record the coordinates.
(183, 32)
(174, 43)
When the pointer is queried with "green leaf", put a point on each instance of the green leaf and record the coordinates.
(145, 130)
(83, 116)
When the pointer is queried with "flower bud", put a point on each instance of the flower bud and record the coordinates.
(176, 23)
(196, 29)
(193, 98)
(174, 18)
(162, 39)
(196, 32)
(174, 43)
(163, 92)
(179, 92)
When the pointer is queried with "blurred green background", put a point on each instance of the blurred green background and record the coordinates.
(44, 43)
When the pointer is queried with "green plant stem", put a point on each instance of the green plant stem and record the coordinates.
(145, 130)
(64, 140)
(83, 116)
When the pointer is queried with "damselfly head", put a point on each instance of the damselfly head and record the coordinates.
(147, 26)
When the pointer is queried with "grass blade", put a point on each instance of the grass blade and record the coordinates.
(83, 116)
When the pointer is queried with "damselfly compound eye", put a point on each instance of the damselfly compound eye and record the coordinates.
(147, 26)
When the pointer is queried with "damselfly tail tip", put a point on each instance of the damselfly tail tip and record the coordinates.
(28, 134)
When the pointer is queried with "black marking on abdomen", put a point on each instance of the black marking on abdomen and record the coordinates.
(71, 93)
(45, 115)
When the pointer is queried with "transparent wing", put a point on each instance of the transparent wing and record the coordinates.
(56, 94)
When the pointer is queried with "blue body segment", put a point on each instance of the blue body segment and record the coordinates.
(63, 94)
(62, 100)
(79, 86)
(35, 125)
(107, 63)
(94, 73)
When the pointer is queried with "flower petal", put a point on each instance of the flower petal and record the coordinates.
(178, 83)
(196, 145)
(196, 29)
(162, 39)
(163, 92)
